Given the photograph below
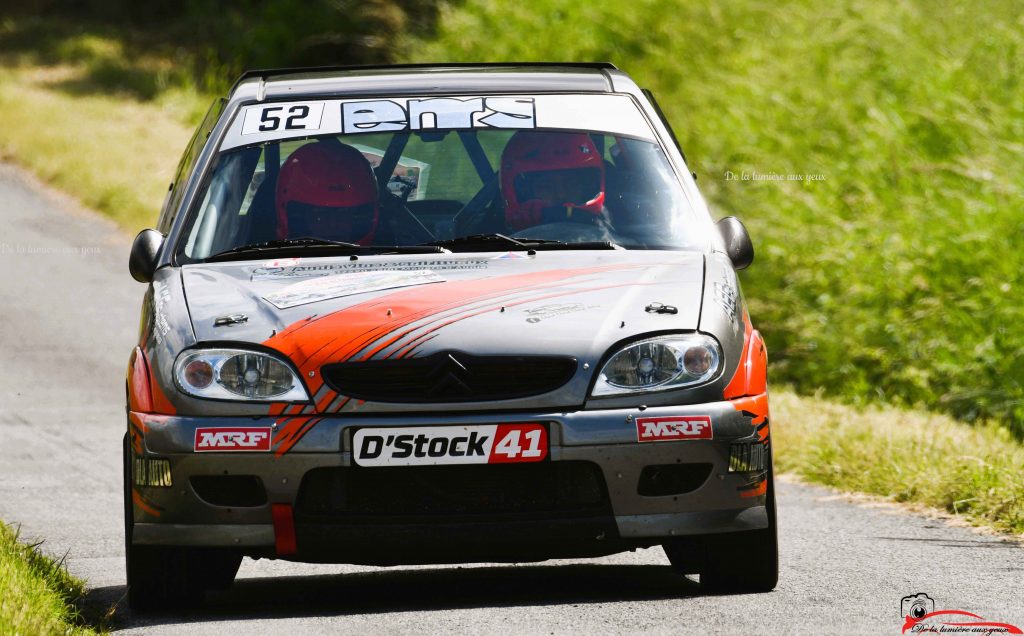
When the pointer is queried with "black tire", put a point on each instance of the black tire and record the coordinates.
(732, 562)
(173, 577)
(166, 577)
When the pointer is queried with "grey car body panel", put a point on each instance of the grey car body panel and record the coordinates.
(166, 326)
(260, 536)
(569, 428)
(606, 438)
(582, 320)
(588, 317)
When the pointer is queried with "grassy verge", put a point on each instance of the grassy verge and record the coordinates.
(907, 456)
(37, 595)
(94, 138)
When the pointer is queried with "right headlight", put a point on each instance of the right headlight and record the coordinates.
(237, 374)
(657, 364)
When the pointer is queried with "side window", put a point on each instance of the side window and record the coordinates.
(188, 161)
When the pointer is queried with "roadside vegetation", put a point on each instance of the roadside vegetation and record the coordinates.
(37, 595)
(904, 456)
(888, 265)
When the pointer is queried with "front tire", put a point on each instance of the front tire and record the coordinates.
(170, 576)
(732, 562)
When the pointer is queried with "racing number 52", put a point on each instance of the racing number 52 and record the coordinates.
(271, 121)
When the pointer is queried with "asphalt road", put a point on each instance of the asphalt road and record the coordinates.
(68, 319)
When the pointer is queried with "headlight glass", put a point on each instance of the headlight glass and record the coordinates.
(656, 364)
(236, 374)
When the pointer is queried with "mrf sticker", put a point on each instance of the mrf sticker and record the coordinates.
(232, 439)
(433, 445)
(673, 428)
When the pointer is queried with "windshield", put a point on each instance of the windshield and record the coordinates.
(399, 173)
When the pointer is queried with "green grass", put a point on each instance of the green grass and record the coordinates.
(115, 155)
(895, 278)
(95, 118)
(906, 456)
(37, 595)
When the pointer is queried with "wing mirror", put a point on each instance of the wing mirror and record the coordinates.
(142, 260)
(737, 242)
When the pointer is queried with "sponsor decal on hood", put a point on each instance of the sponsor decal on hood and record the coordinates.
(311, 291)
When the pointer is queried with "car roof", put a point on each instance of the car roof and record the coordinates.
(422, 79)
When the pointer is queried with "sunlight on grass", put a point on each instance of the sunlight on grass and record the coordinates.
(906, 456)
(37, 595)
(115, 155)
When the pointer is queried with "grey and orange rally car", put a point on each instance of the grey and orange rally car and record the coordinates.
(414, 314)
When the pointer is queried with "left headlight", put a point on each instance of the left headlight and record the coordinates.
(657, 364)
(237, 374)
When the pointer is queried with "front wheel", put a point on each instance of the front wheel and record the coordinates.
(732, 562)
(170, 576)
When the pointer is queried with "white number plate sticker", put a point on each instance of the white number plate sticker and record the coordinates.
(283, 117)
(431, 445)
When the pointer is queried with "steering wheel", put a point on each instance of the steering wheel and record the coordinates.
(407, 228)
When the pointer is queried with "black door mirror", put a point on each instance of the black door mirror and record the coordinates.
(737, 242)
(142, 260)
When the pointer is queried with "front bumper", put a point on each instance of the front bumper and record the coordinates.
(606, 440)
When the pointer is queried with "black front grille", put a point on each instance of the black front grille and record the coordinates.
(449, 376)
(445, 493)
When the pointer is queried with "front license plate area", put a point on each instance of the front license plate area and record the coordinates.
(437, 445)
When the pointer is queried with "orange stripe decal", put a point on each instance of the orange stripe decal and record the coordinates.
(339, 335)
(371, 326)
(756, 406)
(761, 489)
(140, 398)
(161, 404)
(147, 507)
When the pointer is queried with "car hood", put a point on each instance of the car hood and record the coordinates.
(574, 304)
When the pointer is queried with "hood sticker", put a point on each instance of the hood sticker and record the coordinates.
(282, 262)
(323, 288)
(725, 296)
(544, 312)
(310, 270)
(511, 256)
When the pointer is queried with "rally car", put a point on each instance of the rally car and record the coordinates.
(423, 315)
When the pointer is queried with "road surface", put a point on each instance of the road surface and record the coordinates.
(68, 320)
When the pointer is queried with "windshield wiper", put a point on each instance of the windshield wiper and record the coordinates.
(489, 240)
(303, 245)
(485, 242)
